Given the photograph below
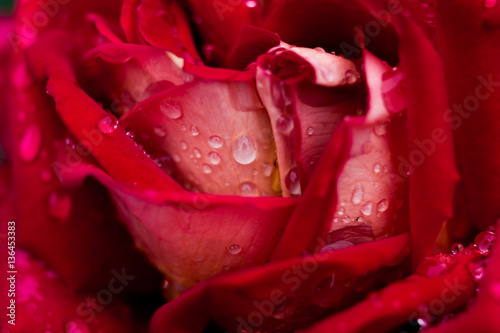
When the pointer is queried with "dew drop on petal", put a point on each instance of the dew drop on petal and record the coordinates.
(160, 130)
(176, 158)
(310, 130)
(213, 158)
(234, 249)
(376, 168)
(59, 205)
(385, 169)
(341, 211)
(358, 194)
(268, 169)
(107, 123)
(367, 208)
(184, 128)
(248, 189)
(292, 182)
(484, 241)
(30, 144)
(380, 129)
(183, 145)
(244, 150)
(171, 109)
(130, 135)
(196, 153)
(383, 205)
(207, 169)
(456, 248)
(194, 130)
(423, 323)
(215, 141)
(284, 123)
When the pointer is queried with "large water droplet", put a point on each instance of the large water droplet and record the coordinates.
(383, 205)
(484, 241)
(171, 109)
(367, 208)
(490, 3)
(59, 205)
(284, 123)
(248, 189)
(292, 182)
(456, 248)
(30, 144)
(327, 293)
(215, 141)
(213, 158)
(244, 150)
(234, 249)
(358, 194)
(107, 123)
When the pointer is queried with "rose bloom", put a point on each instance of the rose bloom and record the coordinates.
(250, 166)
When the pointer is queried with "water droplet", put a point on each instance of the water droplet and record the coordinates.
(171, 109)
(484, 241)
(184, 128)
(383, 205)
(346, 219)
(160, 130)
(268, 169)
(456, 248)
(327, 293)
(376, 168)
(319, 49)
(46, 175)
(367, 208)
(196, 153)
(215, 141)
(310, 130)
(76, 326)
(351, 76)
(107, 124)
(251, 3)
(244, 150)
(286, 309)
(30, 144)
(183, 145)
(213, 158)
(385, 169)
(207, 169)
(335, 220)
(59, 205)
(194, 130)
(248, 189)
(380, 129)
(130, 135)
(490, 3)
(423, 323)
(358, 194)
(478, 273)
(254, 172)
(292, 182)
(176, 158)
(234, 249)
(284, 123)
(341, 211)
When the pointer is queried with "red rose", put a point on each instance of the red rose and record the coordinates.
(277, 162)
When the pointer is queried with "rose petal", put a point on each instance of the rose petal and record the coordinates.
(472, 77)
(256, 298)
(129, 21)
(44, 301)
